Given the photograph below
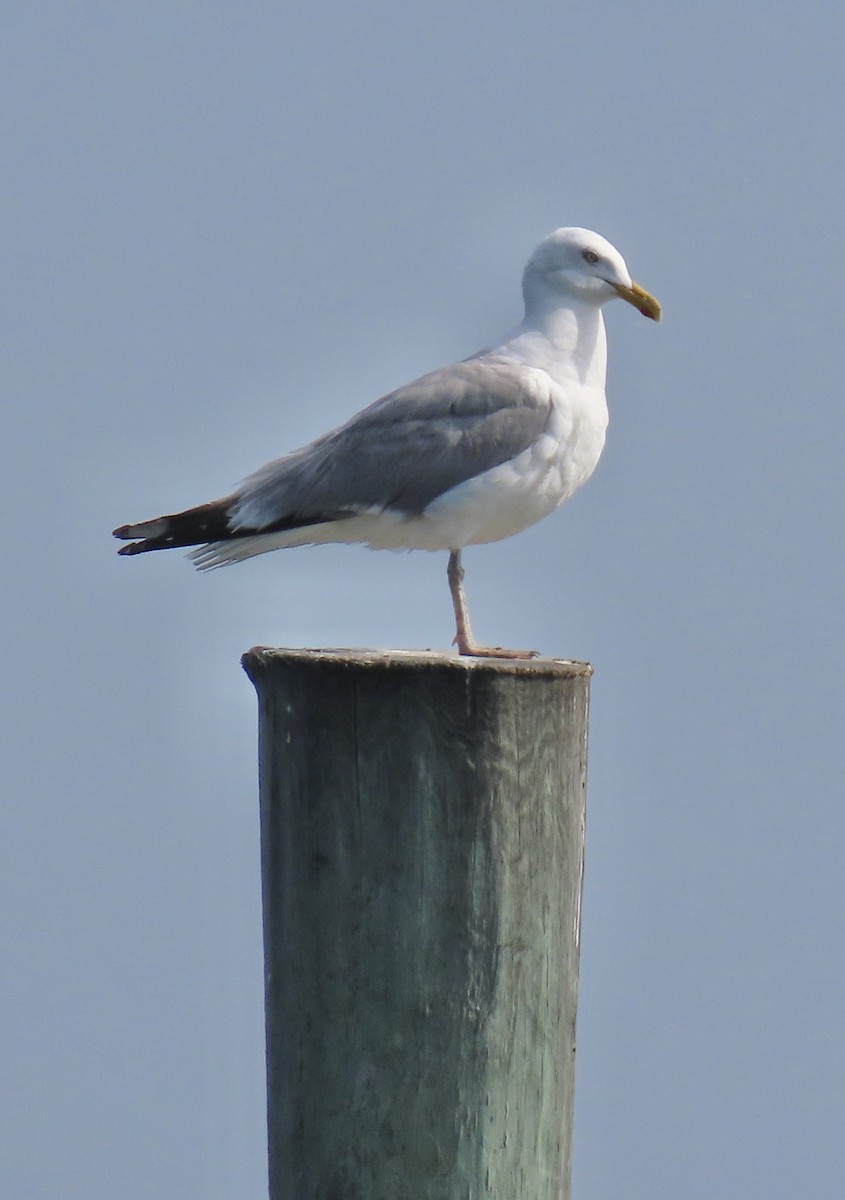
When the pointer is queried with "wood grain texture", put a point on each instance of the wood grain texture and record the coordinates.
(422, 859)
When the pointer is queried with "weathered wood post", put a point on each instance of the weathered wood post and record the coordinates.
(422, 847)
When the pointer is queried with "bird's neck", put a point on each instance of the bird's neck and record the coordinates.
(567, 340)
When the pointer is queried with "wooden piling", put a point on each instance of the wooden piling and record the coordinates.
(422, 841)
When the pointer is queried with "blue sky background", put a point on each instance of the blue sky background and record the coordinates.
(225, 229)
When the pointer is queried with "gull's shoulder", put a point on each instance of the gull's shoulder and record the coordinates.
(477, 387)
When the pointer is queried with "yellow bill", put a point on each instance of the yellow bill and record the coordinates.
(640, 299)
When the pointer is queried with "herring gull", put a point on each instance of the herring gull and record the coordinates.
(470, 453)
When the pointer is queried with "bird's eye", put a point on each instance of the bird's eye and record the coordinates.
(590, 256)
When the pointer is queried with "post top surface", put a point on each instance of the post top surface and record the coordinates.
(260, 658)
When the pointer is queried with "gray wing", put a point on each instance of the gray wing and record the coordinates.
(405, 449)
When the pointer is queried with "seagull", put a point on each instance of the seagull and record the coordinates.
(469, 453)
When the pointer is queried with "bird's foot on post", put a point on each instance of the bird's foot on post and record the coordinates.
(473, 650)
(463, 638)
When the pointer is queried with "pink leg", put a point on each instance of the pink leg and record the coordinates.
(463, 637)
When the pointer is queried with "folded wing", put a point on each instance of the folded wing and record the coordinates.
(397, 455)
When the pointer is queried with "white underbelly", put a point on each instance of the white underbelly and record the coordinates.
(506, 499)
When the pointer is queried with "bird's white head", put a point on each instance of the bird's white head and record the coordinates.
(577, 263)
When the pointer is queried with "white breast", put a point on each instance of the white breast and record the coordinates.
(510, 497)
(519, 493)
